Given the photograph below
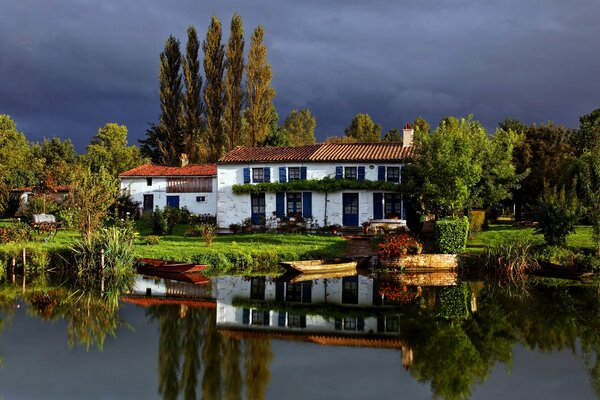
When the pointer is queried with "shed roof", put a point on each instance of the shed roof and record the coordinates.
(152, 170)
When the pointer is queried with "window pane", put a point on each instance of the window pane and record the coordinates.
(350, 172)
(393, 174)
(294, 173)
(294, 203)
(294, 292)
(350, 324)
(258, 175)
(257, 288)
(392, 205)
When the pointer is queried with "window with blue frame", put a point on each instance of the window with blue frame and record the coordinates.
(350, 172)
(294, 203)
(350, 324)
(294, 292)
(260, 318)
(393, 174)
(294, 173)
(294, 321)
(392, 205)
(257, 288)
(258, 175)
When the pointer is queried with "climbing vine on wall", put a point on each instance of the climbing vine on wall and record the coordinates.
(316, 185)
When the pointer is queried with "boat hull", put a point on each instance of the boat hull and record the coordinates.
(162, 266)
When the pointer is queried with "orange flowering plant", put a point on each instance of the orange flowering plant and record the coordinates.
(399, 245)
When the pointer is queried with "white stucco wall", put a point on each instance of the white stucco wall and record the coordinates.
(233, 209)
(137, 188)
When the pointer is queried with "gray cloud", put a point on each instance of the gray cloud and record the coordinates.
(68, 67)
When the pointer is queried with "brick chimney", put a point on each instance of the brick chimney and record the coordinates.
(184, 160)
(407, 135)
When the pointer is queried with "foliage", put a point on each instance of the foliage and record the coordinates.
(451, 234)
(558, 212)
(511, 260)
(421, 125)
(42, 204)
(125, 207)
(14, 154)
(588, 262)
(587, 137)
(109, 150)
(556, 255)
(152, 240)
(160, 224)
(398, 294)
(235, 228)
(15, 232)
(55, 159)
(192, 107)
(363, 129)
(393, 135)
(259, 93)
(90, 197)
(316, 185)
(476, 221)
(234, 69)
(214, 66)
(164, 142)
(452, 302)
(300, 127)
(399, 245)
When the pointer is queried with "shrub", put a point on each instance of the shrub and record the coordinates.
(177, 216)
(451, 234)
(15, 232)
(453, 302)
(558, 212)
(594, 216)
(160, 224)
(476, 221)
(557, 255)
(125, 208)
(511, 260)
(208, 232)
(42, 204)
(235, 228)
(588, 262)
(152, 240)
(398, 245)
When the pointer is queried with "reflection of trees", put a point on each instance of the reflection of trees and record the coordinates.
(190, 343)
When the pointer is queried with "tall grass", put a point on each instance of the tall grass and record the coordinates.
(510, 261)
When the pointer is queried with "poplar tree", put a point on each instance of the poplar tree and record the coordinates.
(191, 115)
(300, 127)
(164, 141)
(259, 92)
(213, 88)
(233, 84)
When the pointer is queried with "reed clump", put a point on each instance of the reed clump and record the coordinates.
(511, 261)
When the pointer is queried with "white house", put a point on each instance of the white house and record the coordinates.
(381, 161)
(191, 186)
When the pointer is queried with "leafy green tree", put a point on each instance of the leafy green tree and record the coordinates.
(393, 135)
(558, 212)
(421, 125)
(259, 93)
(234, 64)
(15, 153)
(512, 124)
(300, 127)
(91, 194)
(363, 129)
(109, 150)
(164, 142)
(277, 135)
(587, 137)
(213, 89)
(192, 123)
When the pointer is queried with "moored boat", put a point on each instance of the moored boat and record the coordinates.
(155, 265)
(325, 266)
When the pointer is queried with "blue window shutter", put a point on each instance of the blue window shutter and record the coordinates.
(267, 174)
(246, 175)
(280, 205)
(307, 204)
(400, 177)
(246, 316)
(377, 205)
(338, 324)
(380, 324)
(303, 173)
(281, 319)
(339, 172)
(279, 288)
(381, 173)
(307, 292)
(282, 174)
(376, 295)
(303, 321)
(360, 324)
(361, 173)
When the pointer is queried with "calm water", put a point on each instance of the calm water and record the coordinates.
(352, 337)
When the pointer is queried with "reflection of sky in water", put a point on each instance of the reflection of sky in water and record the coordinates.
(39, 364)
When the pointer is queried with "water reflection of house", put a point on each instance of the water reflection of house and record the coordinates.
(155, 290)
(330, 305)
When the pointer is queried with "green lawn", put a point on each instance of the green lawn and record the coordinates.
(497, 233)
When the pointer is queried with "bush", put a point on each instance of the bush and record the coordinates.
(160, 224)
(208, 232)
(557, 212)
(451, 234)
(452, 302)
(152, 240)
(235, 228)
(16, 232)
(42, 204)
(510, 261)
(125, 208)
(177, 216)
(557, 255)
(588, 262)
(398, 245)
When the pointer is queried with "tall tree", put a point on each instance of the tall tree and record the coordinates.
(234, 65)
(363, 129)
(15, 153)
(276, 136)
(109, 150)
(420, 124)
(213, 88)
(191, 121)
(164, 142)
(300, 127)
(54, 159)
(587, 137)
(259, 92)
(393, 135)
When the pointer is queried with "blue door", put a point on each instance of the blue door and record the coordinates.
(173, 201)
(257, 202)
(350, 209)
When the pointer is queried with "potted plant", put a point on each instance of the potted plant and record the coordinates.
(365, 226)
(334, 228)
(396, 246)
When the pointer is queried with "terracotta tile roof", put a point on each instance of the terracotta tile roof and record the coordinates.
(380, 151)
(59, 188)
(154, 301)
(163, 170)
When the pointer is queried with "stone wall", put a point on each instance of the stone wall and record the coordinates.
(424, 262)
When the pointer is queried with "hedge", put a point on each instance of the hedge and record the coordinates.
(451, 235)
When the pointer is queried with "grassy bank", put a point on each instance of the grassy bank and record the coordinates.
(499, 233)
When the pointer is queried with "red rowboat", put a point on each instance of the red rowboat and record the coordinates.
(155, 265)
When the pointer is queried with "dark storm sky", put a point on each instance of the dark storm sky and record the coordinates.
(68, 67)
